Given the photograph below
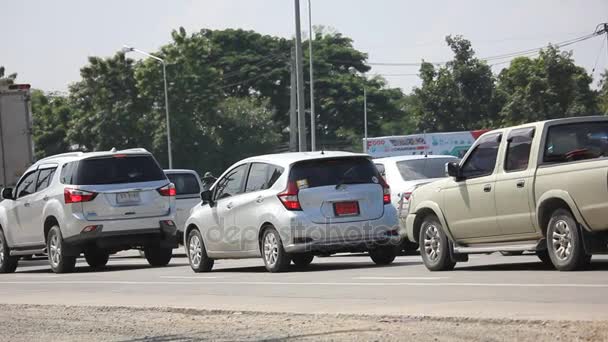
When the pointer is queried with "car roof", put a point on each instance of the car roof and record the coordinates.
(542, 124)
(74, 156)
(411, 157)
(172, 171)
(286, 159)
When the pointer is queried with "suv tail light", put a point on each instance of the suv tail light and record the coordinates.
(289, 197)
(77, 196)
(167, 190)
(386, 191)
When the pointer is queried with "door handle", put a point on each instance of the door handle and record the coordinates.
(260, 199)
(229, 205)
(487, 188)
(520, 183)
(26, 204)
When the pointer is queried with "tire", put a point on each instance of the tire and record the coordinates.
(157, 256)
(384, 255)
(302, 260)
(8, 263)
(59, 262)
(274, 256)
(96, 258)
(197, 253)
(435, 248)
(565, 242)
(505, 253)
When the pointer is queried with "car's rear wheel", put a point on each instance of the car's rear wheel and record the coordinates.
(383, 255)
(96, 258)
(59, 261)
(302, 259)
(435, 246)
(197, 253)
(158, 256)
(275, 257)
(8, 263)
(565, 242)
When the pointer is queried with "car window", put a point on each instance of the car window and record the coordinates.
(232, 183)
(118, 170)
(482, 160)
(67, 173)
(262, 176)
(185, 183)
(27, 185)
(423, 168)
(325, 172)
(572, 142)
(45, 177)
(381, 170)
(519, 144)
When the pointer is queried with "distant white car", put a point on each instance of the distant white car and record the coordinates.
(188, 189)
(404, 173)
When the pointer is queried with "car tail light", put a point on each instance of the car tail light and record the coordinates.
(406, 196)
(77, 196)
(167, 190)
(386, 191)
(289, 197)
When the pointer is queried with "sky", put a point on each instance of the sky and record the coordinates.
(47, 42)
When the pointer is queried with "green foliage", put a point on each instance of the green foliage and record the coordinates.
(51, 115)
(603, 94)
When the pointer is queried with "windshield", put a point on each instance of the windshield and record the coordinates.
(324, 172)
(111, 170)
(423, 168)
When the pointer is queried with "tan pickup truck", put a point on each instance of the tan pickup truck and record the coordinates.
(538, 187)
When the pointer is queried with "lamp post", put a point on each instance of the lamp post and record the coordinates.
(127, 49)
(313, 133)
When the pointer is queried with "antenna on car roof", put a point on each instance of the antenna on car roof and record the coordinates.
(322, 150)
(113, 149)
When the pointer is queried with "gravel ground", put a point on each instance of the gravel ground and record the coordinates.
(79, 323)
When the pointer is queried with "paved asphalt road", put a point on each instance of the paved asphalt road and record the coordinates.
(488, 286)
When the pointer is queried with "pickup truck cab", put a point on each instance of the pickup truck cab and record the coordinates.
(541, 186)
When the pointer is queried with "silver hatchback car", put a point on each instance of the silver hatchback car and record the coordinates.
(290, 207)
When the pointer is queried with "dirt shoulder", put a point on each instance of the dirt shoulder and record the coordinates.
(80, 323)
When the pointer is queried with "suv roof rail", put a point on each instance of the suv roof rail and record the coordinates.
(136, 149)
(61, 155)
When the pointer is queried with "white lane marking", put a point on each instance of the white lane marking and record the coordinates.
(188, 277)
(400, 278)
(110, 282)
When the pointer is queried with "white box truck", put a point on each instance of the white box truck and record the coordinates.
(16, 143)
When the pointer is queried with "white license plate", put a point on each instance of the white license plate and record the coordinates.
(127, 197)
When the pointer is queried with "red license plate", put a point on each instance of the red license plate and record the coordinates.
(346, 208)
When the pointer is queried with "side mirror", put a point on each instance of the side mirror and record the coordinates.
(7, 193)
(207, 197)
(452, 169)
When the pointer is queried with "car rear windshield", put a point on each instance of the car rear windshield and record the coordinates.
(113, 170)
(423, 168)
(572, 142)
(325, 172)
(185, 183)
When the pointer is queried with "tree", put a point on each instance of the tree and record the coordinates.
(51, 115)
(603, 94)
(547, 87)
(6, 79)
(458, 96)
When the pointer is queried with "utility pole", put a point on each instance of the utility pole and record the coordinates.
(313, 126)
(293, 117)
(300, 83)
(365, 118)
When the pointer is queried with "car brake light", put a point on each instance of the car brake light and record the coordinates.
(386, 191)
(289, 197)
(77, 196)
(167, 190)
(406, 195)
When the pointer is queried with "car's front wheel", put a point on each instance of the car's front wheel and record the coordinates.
(435, 246)
(565, 242)
(96, 258)
(8, 263)
(59, 261)
(383, 255)
(158, 256)
(197, 253)
(275, 257)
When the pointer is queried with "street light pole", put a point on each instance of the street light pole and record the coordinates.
(162, 61)
(300, 82)
(313, 134)
(365, 118)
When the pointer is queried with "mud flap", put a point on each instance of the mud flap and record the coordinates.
(457, 257)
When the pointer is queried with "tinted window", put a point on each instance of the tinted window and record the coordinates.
(262, 176)
(482, 160)
(27, 185)
(113, 170)
(67, 173)
(232, 183)
(185, 183)
(310, 174)
(518, 150)
(45, 177)
(573, 142)
(381, 169)
(423, 168)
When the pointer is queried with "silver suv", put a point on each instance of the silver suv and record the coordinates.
(291, 207)
(93, 203)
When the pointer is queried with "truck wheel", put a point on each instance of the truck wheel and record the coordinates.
(8, 263)
(60, 263)
(275, 257)
(197, 253)
(96, 258)
(302, 259)
(434, 246)
(384, 255)
(565, 242)
(158, 256)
